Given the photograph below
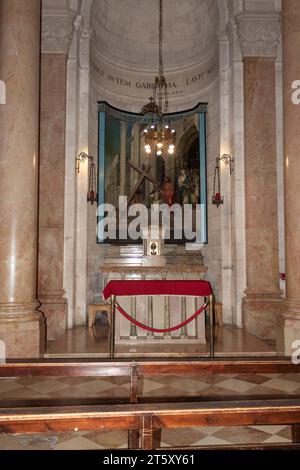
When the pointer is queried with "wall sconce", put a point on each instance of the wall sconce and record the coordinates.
(81, 158)
(217, 198)
(228, 160)
(92, 186)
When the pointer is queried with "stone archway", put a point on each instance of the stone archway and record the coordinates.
(113, 86)
(86, 7)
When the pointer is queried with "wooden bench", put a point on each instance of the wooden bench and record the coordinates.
(123, 367)
(135, 371)
(146, 419)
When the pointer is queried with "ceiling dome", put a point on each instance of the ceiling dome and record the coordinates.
(125, 32)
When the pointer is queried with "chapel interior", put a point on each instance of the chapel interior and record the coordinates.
(77, 99)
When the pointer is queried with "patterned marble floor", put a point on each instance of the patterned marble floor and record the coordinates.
(205, 385)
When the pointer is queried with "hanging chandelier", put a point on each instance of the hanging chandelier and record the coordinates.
(159, 136)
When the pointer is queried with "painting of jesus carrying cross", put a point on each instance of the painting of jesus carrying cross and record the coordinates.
(129, 166)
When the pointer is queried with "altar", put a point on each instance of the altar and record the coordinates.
(160, 312)
(152, 222)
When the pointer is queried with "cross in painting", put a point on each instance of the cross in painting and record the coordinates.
(144, 174)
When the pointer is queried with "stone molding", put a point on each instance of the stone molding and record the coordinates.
(259, 33)
(80, 26)
(20, 311)
(57, 31)
(2, 92)
(52, 296)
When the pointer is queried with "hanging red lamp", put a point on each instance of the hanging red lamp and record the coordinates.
(217, 198)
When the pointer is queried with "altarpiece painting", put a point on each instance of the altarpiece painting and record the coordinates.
(126, 167)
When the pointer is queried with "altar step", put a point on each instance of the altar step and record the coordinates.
(82, 341)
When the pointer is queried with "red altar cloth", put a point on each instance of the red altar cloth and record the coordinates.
(157, 287)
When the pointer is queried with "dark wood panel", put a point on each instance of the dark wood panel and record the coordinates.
(217, 366)
(58, 369)
(152, 416)
(61, 402)
(67, 423)
(144, 368)
(71, 401)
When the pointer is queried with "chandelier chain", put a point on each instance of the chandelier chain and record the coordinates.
(159, 136)
(161, 67)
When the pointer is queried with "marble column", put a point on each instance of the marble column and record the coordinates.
(56, 37)
(259, 34)
(290, 319)
(51, 185)
(21, 324)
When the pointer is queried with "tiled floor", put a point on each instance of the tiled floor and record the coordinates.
(205, 386)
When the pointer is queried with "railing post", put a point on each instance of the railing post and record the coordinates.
(112, 326)
(167, 320)
(211, 325)
(183, 334)
(150, 334)
(133, 330)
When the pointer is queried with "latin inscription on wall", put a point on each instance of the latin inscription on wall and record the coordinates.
(182, 83)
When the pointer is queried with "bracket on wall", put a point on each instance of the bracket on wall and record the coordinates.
(228, 160)
(92, 190)
(217, 198)
(82, 157)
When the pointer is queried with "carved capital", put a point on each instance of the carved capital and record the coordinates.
(57, 31)
(259, 33)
